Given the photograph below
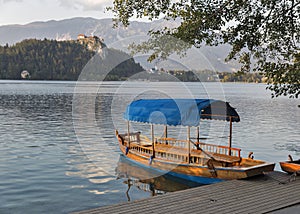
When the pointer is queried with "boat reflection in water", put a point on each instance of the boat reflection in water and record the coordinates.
(149, 180)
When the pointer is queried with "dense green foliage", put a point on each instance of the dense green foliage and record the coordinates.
(264, 34)
(199, 76)
(58, 60)
(241, 77)
(211, 76)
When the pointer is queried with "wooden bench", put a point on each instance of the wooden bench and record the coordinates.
(226, 159)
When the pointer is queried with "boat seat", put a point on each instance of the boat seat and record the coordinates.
(145, 144)
(166, 139)
(226, 158)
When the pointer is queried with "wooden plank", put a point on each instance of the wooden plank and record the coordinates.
(143, 207)
(260, 204)
(260, 194)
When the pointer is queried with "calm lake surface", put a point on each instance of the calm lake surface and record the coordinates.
(58, 152)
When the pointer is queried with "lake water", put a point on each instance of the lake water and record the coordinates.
(58, 152)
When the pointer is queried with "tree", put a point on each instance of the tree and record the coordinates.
(264, 34)
(60, 60)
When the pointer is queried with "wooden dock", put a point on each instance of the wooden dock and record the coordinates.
(274, 192)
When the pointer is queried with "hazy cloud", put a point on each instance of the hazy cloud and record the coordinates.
(12, 0)
(26, 11)
(5, 1)
(86, 4)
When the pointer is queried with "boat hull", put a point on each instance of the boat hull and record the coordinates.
(174, 172)
(132, 170)
(195, 172)
(290, 166)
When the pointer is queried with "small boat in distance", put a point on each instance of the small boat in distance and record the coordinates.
(188, 158)
(291, 166)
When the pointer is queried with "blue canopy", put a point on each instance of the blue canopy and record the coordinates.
(185, 112)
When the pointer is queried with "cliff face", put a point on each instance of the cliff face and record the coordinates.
(92, 43)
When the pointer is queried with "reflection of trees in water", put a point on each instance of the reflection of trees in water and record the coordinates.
(38, 118)
(103, 111)
(32, 106)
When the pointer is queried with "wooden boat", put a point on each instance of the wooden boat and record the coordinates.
(188, 159)
(291, 166)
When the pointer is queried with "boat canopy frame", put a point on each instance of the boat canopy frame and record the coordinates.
(184, 112)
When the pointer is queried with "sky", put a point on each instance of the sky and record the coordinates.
(26, 11)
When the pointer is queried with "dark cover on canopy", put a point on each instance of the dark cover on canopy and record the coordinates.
(186, 112)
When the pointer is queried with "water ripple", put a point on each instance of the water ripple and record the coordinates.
(43, 168)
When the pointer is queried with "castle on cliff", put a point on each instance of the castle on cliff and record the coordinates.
(94, 43)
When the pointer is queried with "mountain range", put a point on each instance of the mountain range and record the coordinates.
(70, 28)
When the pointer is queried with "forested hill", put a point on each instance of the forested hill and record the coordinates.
(59, 60)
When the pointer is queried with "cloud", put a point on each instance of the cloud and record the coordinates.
(85, 4)
(25, 11)
(12, 0)
(7, 1)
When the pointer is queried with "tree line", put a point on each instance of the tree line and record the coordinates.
(211, 76)
(61, 60)
(65, 60)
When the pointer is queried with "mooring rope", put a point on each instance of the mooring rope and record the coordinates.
(211, 167)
